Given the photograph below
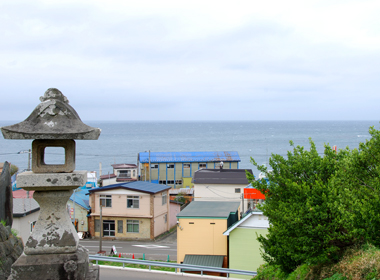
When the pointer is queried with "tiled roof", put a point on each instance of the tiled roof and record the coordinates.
(24, 206)
(139, 186)
(221, 176)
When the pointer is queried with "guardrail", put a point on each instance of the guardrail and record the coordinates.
(202, 269)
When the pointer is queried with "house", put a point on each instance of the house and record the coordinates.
(138, 210)
(175, 208)
(25, 213)
(244, 249)
(176, 169)
(121, 173)
(78, 207)
(200, 231)
(221, 185)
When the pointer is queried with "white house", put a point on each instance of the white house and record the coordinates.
(121, 173)
(221, 185)
(25, 213)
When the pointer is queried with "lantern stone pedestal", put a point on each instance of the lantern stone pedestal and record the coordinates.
(52, 251)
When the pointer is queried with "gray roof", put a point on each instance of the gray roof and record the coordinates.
(139, 186)
(24, 206)
(212, 209)
(204, 260)
(221, 176)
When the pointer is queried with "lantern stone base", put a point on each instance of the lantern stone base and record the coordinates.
(55, 266)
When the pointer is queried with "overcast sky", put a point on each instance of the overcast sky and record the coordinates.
(193, 60)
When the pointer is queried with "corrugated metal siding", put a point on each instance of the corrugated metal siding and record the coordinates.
(178, 171)
(189, 156)
(162, 167)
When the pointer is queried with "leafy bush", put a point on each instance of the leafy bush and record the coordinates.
(318, 206)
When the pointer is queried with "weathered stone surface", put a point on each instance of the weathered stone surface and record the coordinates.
(53, 118)
(52, 266)
(38, 156)
(53, 233)
(6, 198)
(10, 249)
(49, 181)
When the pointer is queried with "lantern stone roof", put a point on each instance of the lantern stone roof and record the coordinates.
(53, 118)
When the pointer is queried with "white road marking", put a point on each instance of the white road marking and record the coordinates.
(151, 246)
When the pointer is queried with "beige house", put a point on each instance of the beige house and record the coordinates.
(200, 230)
(135, 210)
(221, 185)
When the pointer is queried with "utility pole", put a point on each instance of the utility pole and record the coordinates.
(242, 203)
(149, 169)
(101, 227)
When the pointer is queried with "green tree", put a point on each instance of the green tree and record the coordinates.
(311, 204)
(13, 169)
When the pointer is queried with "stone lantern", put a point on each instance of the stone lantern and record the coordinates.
(52, 251)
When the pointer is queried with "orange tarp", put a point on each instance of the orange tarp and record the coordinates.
(251, 193)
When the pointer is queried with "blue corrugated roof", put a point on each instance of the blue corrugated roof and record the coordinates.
(189, 156)
(140, 186)
(81, 198)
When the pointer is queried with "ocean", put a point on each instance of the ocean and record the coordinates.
(120, 142)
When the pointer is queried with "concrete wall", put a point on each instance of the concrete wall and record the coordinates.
(201, 237)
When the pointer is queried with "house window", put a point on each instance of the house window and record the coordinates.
(133, 201)
(32, 226)
(106, 200)
(186, 165)
(108, 228)
(119, 226)
(125, 173)
(163, 182)
(133, 225)
(237, 190)
(164, 198)
(134, 173)
(178, 182)
(202, 165)
(170, 165)
(154, 166)
(165, 218)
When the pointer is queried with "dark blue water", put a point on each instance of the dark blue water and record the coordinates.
(120, 142)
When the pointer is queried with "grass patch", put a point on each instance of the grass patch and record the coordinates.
(139, 266)
(361, 263)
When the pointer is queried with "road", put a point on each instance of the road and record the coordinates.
(117, 274)
(153, 250)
